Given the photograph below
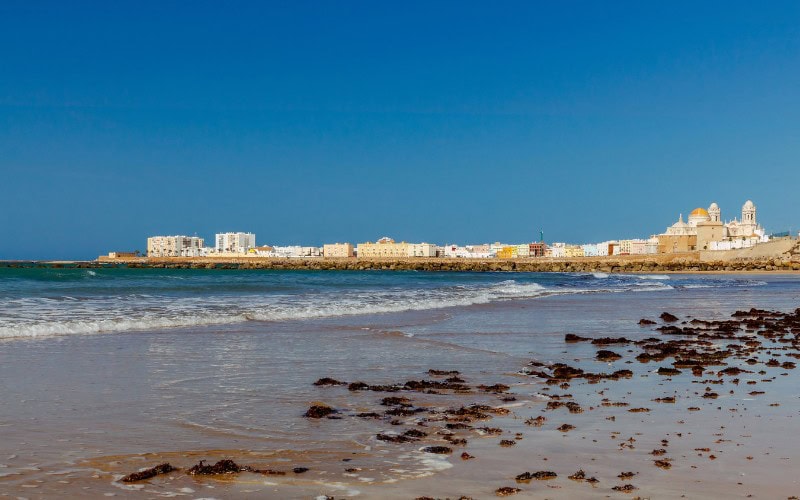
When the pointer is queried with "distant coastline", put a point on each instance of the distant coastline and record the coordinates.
(692, 262)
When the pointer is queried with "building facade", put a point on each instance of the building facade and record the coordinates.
(235, 242)
(573, 251)
(537, 249)
(507, 252)
(466, 252)
(421, 250)
(337, 250)
(174, 246)
(296, 251)
(383, 248)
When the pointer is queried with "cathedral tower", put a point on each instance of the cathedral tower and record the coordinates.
(749, 214)
(714, 213)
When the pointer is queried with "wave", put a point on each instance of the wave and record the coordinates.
(157, 313)
(130, 309)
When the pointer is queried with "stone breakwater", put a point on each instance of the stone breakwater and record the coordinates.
(623, 264)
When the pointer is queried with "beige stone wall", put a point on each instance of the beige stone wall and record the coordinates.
(668, 243)
(708, 232)
(770, 250)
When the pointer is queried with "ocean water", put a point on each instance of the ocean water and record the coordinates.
(106, 371)
(47, 302)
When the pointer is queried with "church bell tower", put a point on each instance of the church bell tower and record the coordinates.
(714, 213)
(749, 213)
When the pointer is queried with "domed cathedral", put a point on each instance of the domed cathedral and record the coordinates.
(698, 215)
(704, 230)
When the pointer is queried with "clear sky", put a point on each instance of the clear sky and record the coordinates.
(314, 122)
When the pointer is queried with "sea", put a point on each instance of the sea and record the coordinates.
(107, 371)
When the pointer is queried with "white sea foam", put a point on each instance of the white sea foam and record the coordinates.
(151, 308)
(46, 316)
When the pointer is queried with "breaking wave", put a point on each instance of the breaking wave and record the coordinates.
(120, 303)
(49, 316)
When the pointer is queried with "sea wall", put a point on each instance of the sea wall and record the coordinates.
(630, 264)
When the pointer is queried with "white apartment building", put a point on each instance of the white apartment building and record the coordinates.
(556, 250)
(592, 249)
(455, 251)
(235, 242)
(174, 246)
(597, 249)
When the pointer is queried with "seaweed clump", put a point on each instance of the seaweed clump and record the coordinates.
(164, 468)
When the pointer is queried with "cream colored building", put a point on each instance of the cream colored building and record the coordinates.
(572, 251)
(337, 250)
(523, 251)
(638, 246)
(383, 248)
(421, 250)
(174, 246)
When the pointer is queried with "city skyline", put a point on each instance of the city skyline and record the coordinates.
(452, 122)
(703, 230)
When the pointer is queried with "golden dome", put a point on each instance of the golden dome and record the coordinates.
(699, 212)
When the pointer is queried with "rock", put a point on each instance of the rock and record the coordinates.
(221, 467)
(439, 450)
(668, 318)
(328, 381)
(164, 468)
(607, 356)
(319, 411)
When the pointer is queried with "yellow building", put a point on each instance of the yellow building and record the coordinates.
(337, 250)
(571, 251)
(507, 252)
(383, 248)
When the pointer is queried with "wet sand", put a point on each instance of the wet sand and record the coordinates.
(81, 413)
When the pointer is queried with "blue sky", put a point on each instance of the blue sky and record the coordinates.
(313, 122)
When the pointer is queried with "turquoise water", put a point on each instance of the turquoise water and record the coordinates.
(47, 302)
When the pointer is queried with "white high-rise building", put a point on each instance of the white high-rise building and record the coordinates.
(235, 242)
